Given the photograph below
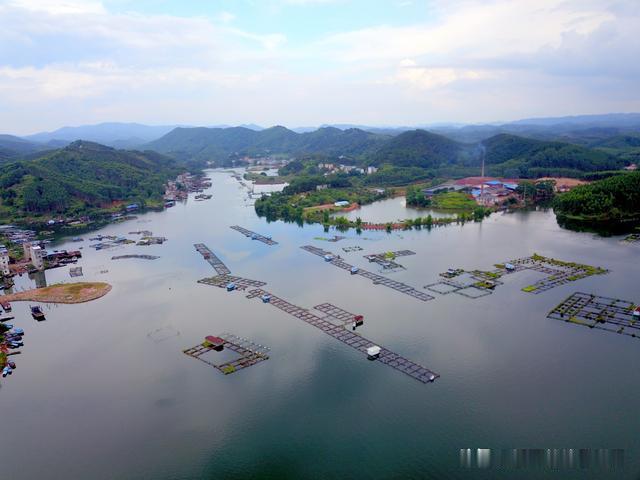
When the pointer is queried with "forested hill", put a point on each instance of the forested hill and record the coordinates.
(505, 154)
(612, 203)
(419, 148)
(81, 177)
(513, 156)
(218, 144)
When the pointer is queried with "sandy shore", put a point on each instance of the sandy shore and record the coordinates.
(62, 293)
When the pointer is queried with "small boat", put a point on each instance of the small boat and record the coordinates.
(373, 352)
(328, 258)
(12, 364)
(6, 306)
(231, 286)
(358, 320)
(6, 371)
(266, 298)
(636, 312)
(37, 313)
(14, 344)
(354, 270)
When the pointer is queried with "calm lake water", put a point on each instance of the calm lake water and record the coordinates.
(391, 210)
(103, 390)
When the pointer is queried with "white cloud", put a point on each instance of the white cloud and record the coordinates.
(75, 61)
(60, 7)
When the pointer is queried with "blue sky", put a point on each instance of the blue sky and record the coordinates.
(309, 62)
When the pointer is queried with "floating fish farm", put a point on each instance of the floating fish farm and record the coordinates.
(143, 257)
(350, 338)
(335, 323)
(231, 282)
(479, 283)
(558, 272)
(387, 259)
(254, 235)
(603, 313)
(249, 353)
(375, 278)
(214, 261)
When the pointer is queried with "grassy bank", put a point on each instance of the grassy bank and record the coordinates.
(79, 292)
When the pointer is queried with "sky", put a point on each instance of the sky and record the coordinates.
(311, 62)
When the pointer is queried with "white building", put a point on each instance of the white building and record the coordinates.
(37, 257)
(371, 170)
(4, 261)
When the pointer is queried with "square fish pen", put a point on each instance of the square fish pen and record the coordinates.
(603, 313)
(249, 353)
(221, 281)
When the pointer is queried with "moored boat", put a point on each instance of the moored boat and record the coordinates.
(37, 313)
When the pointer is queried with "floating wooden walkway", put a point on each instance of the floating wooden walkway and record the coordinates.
(221, 281)
(143, 257)
(214, 261)
(249, 353)
(254, 235)
(352, 339)
(374, 277)
(603, 313)
(341, 316)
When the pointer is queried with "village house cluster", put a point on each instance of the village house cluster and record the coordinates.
(184, 184)
(332, 168)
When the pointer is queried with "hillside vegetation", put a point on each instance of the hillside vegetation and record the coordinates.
(431, 154)
(222, 144)
(612, 204)
(81, 177)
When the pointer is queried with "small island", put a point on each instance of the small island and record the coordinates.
(79, 292)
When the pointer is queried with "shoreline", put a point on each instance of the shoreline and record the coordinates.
(67, 293)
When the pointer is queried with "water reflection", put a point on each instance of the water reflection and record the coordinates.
(391, 210)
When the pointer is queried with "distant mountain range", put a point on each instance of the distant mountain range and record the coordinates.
(218, 144)
(119, 135)
(398, 145)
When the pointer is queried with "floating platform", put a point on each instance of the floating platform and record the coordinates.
(558, 272)
(214, 261)
(249, 353)
(387, 259)
(374, 277)
(254, 235)
(352, 339)
(354, 248)
(479, 283)
(143, 257)
(221, 281)
(603, 313)
(75, 271)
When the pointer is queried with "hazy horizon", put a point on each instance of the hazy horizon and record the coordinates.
(435, 124)
(304, 63)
